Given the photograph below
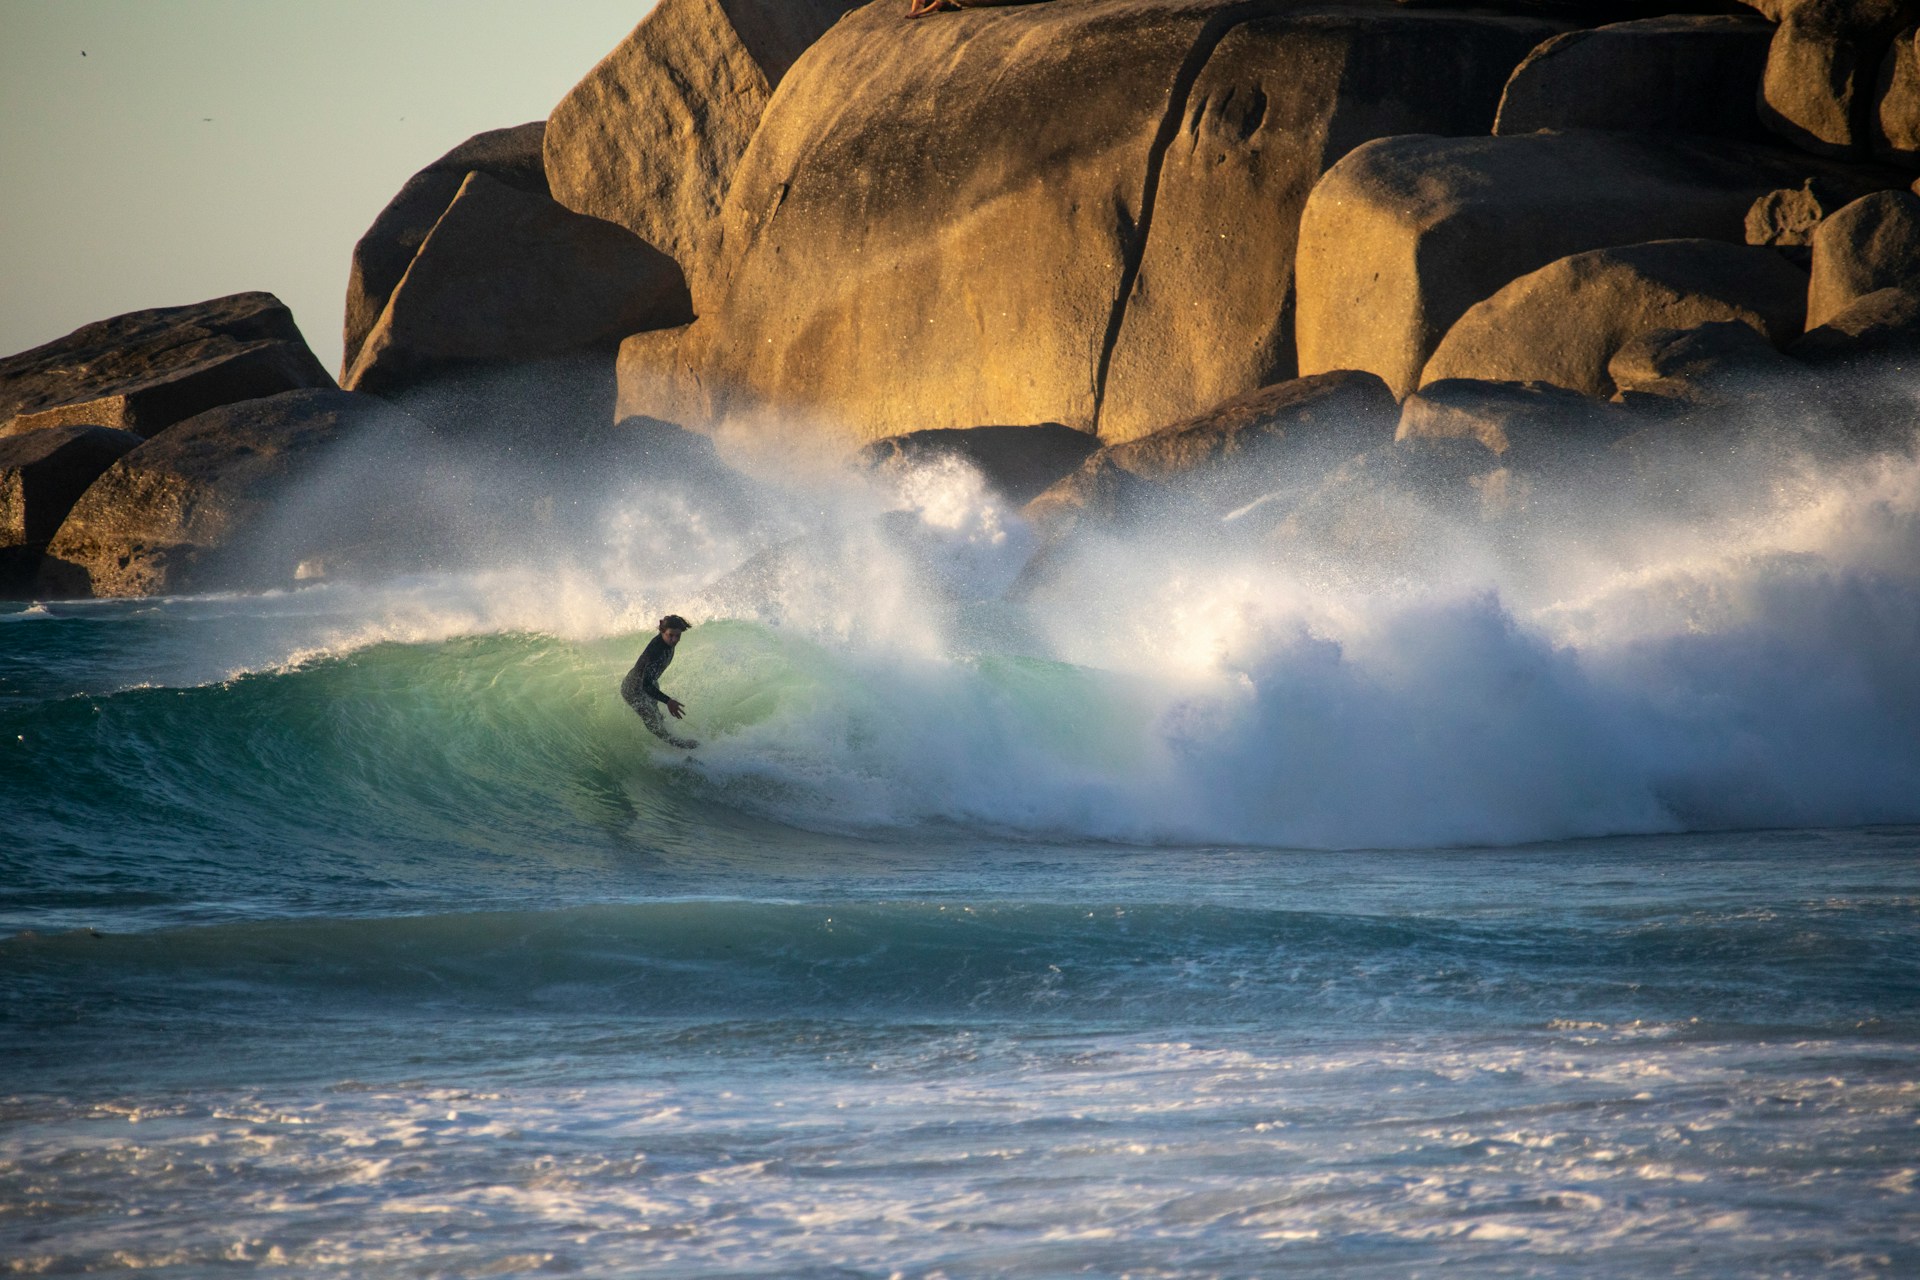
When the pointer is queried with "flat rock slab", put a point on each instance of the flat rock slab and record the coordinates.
(197, 508)
(1504, 416)
(1563, 323)
(1717, 363)
(146, 370)
(1233, 454)
(508, 277)
(1405, 234)
(510, 156)
(1685, 73)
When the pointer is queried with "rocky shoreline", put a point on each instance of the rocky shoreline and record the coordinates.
(1132, 259)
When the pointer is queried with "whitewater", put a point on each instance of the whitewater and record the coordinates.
(1361, 884)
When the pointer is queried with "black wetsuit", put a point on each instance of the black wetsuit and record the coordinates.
(641, 688)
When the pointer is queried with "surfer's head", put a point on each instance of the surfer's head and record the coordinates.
(672, 627)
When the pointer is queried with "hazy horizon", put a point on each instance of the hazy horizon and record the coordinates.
(164, 154)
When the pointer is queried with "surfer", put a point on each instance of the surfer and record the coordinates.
(641, 688)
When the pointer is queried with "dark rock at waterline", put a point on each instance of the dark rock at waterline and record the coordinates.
(1406, 234)
(1683, 73)
(146, 370)
(1233, 454)
(202, 505)
(1021, 462)
(1564, 322)
(1884, 326)
(1521, 417)
(42, 474)
(508, 277)
(650, 138)
(1719, 363)
(510, 156)
(1076, 213)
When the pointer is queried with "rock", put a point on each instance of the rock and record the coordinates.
(507, 277)
(198, 507)
(1883, 324)
(1896, 102)
(1788, 216)
(146, 370)
(1020, 462)
(1822, 68)
(1501, 416)
(1234, 453)
(1405, 234)
(1040, 240)
(651, 137)
(1871, 244)
(1563, 323)
(1685, 73)
(1722, 362)
(1280, 100)
(42, 474)
(511, 156)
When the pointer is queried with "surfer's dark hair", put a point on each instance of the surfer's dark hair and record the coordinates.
(674, 622)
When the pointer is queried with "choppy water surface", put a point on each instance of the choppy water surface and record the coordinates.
(1146, 922)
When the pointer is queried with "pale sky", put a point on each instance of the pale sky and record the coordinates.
(203, 147)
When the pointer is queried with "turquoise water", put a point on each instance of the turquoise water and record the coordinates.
(1163, 923)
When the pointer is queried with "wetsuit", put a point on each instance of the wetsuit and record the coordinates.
(641, 688)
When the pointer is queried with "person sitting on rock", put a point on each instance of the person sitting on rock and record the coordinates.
(641, 688)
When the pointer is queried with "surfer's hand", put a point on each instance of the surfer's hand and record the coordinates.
(675, 710)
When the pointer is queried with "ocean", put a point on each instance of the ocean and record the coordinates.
(1533, 896)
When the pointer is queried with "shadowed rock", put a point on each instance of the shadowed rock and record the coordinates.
(1563, 323)
(42, 474)
(1234, 454)
(649, 139)
(1871, 244)
(1722, 362)
(1884, 323)
(1020, 462)
(195, 508)
(1040, 239)
(1687, 73)
(146, 370)
(510, 156)
(508, 277)
(1405, 234)
(1822, 68)
(1786, 218)
(1504, 416)
(1896, 102)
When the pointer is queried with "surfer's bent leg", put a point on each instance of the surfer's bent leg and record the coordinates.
(648, 709)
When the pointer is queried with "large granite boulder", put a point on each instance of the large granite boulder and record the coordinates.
(1209, 314)
(146, 370)
(1563, 323)
(42, 474)
(1895, 132)
(511, 156)
(1684, 73)
(1871, 244)
(1229, 456)
(1021, 462)
(1403, 236)
(208, 503)
(508, 277)
(649, 139)
(1823, 67)
(1070, 212)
